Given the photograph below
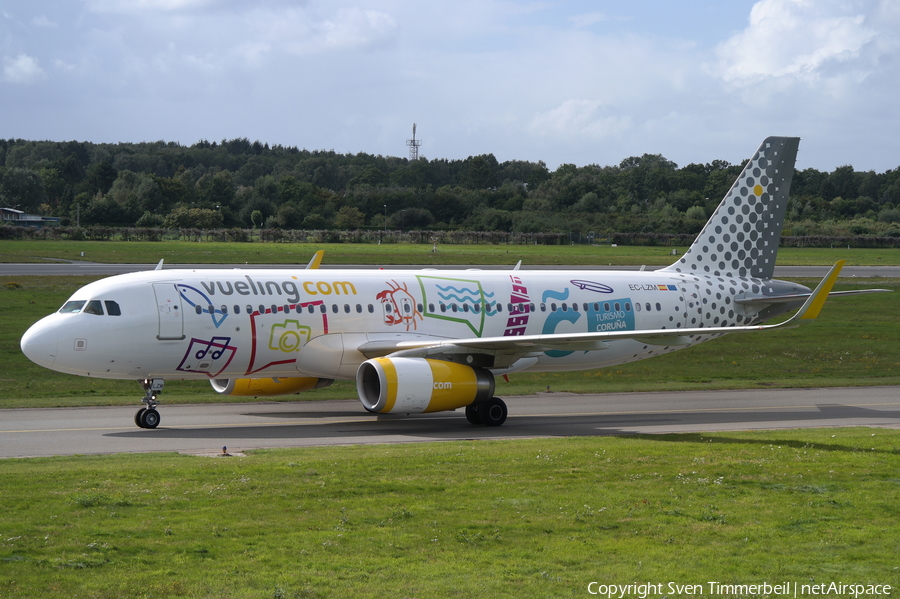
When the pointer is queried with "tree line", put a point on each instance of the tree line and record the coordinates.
(238, 184)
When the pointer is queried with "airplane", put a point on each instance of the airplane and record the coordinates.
(419, 341)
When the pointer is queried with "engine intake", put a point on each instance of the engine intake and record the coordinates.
(417, 385)
(267, 387)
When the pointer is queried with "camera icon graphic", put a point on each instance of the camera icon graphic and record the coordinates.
(289, 336)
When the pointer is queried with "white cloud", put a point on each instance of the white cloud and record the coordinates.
(22, 69)
(580, 118)
(799, 39)
(347, 29)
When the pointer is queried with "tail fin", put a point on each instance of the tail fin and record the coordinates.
(741, 237)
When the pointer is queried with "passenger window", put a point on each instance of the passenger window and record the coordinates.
(112, 308)
(93, 307)
(618, 307)
(224, 309)
(72, 307)
(658, 307)
(553, 307)
(334, 308)
(249, 309)
(647, 305)
(371, 309)
(198, 309)
(237, 309)
(262, 309)
(311, 309)
(358, 309)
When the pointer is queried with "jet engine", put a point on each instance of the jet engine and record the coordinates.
(416, 385)
(268, 386)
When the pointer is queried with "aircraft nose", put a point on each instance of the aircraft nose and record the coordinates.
(40, 344)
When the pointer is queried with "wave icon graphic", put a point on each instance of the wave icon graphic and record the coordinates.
(459, 293)
(462, 294)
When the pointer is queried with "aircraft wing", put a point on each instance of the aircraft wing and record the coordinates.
(525, 345)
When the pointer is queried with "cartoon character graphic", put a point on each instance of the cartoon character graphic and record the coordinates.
(399, 305)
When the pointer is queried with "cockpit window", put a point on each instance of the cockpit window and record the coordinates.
(93, 307)
(72, 307)
(112, 308)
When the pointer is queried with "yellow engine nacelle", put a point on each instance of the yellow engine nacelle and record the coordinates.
(416, 385)
(268, 386)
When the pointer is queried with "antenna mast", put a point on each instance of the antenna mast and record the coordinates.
(414, 145)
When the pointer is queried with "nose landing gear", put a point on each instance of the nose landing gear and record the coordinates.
(148, 417)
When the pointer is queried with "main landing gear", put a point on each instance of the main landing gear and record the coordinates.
(148, 417)
(489, 413)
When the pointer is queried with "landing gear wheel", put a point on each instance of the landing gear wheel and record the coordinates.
(472, 414)
(149, 418)
(493, 412)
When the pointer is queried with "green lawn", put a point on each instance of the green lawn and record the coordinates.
(183, 252)
(533, 518)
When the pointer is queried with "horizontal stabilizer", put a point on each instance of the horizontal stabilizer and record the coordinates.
(800, 297)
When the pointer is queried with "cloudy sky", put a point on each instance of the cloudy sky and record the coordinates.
(563, 81)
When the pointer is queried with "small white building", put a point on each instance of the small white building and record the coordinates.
(11, 216)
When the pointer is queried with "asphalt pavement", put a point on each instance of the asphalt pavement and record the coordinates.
(206, 428)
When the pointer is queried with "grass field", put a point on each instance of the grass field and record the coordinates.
(534, 518)
(182, 252)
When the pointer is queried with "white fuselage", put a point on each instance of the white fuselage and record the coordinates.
(202, 324)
